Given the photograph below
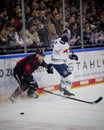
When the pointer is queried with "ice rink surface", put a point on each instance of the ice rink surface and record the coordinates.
(50, 112)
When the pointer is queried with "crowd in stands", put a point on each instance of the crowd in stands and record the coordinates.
(44, 22)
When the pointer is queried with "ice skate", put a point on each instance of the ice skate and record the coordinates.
(67, 93)
(15, 94)
(61, 89)
(33, 96)
(12, 99)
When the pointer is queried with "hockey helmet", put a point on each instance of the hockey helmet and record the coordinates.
(67, 32)
(40, 52)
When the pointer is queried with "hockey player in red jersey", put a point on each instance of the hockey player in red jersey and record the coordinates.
(23, 74)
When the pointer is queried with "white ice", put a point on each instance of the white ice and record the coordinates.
(50, 112)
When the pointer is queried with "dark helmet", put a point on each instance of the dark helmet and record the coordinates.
(66, 31)
(40, 52)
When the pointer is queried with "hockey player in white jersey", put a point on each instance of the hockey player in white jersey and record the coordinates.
(59, 57)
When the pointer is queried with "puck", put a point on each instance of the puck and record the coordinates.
(22, 113)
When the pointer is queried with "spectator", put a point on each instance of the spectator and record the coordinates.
(97, 37)
(10, 30)
(87, 34)
(75, 34)
(52, 33)
(27, 12)
(3, 18)
(18, 18)
(51, 12)
(32, 34)
(11, 20)
(57, 20)
(101, 25)
(42, 30)
(3, 38)
(19, 36)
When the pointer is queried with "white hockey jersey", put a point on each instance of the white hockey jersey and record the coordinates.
(60, 52)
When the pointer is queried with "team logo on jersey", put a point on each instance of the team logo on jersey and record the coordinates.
(65, 51)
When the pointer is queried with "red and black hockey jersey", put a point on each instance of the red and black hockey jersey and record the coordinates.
(29, 64)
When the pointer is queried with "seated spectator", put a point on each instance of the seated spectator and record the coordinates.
(31, 33)
(42, 30)
(3, 18)
(101, 20)
(47, 15)
(75, 34)
(3, 38)
(10, 30)
(97, 37)
(52, 33)
(71, 21)
(57, 21)
(87, 33)
(18, 18)
(22, 39)
(11, 20)
(27, 12)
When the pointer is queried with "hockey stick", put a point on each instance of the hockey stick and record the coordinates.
(76, 99)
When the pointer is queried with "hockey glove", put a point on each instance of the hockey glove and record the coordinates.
(73, 57)
(50, 69)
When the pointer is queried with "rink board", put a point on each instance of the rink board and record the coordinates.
(89, 69)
